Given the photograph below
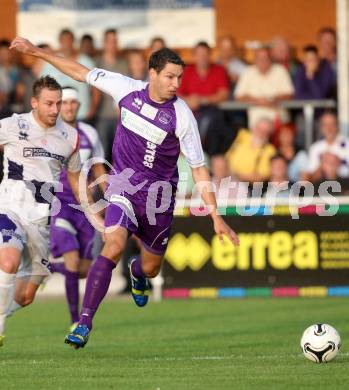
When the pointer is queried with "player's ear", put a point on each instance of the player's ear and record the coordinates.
(152, 73)
(34, 103)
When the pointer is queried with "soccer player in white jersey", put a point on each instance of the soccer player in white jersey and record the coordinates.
(71, 234)
(36, 146)
(153, 127)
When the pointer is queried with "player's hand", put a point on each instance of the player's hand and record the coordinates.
(23, 46)
(221, 228)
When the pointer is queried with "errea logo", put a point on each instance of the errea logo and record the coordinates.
(137, 102)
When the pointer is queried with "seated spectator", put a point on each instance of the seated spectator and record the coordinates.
(87, 46)
(314, 78)
(250, 154)
(329, 171)
(265, 85)
(333, 143)
(203, 86)
(137, 65)
(227, 56)
(327, 43)
(275, 187)
(281, 54)
(295, 157)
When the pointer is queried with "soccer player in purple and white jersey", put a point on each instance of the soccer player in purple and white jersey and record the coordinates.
(154, 126)
(71, 234)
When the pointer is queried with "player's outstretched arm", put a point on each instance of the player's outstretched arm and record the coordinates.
(65, 65)
(201, 175)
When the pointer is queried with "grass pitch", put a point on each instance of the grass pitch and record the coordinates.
(176, 345)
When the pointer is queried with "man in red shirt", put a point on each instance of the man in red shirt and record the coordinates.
(204, 85)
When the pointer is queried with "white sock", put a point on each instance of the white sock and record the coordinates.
(13, 308)
(7, 288)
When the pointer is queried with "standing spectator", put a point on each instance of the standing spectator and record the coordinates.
(281, 54)
(156, 44)
(227, 56)
(204, 86)
(66, 49)
(314, 79)
(333, 143)
(250, 154)
(87, 46)
(110, 59)
(265, 85)
(328, 46)
(137, 65)
(8, 72)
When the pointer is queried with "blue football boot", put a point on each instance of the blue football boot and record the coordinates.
(140, 287)
(78, 337)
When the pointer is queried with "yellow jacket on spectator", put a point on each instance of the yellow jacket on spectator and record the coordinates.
(248, 159)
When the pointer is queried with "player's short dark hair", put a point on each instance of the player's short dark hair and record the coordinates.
(159, 59)
(47, 82)
(310, 49)
(5, 43)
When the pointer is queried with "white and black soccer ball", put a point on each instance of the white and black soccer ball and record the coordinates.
(320, 343)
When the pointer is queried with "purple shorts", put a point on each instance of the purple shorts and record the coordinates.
(70, 230)
(152, 229)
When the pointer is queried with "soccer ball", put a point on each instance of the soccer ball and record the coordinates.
(320, 343)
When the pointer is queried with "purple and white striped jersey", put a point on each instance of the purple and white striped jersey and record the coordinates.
(149, 135)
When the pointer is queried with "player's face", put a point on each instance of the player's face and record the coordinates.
(166, 83)
(47, 106)
(69, 110)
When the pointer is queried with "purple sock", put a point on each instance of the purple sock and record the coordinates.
(72, 293)
(137, 270)
(97, 285)
(58, 267)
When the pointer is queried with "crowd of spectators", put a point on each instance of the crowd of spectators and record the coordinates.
(262, 143)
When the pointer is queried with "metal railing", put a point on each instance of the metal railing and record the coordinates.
(308, 107)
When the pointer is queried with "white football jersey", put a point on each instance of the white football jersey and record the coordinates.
(33, 160)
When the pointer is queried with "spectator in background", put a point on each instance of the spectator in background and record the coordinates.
(27, 77)
(87, 46)
(205, 85)
(264, 85)
(87, 95)
(110, 59)
(278, 178)
(329, 171)
(250, 154)
(333, 143)
(156, 44)
(295, 157)
(227, 56)
(137, 65)
(328, 46)
(8, 72)
(314, 78)
(281, 54)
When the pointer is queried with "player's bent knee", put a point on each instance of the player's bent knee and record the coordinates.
(150, 270)
(113, 249)
(25, 299)
(9, 265)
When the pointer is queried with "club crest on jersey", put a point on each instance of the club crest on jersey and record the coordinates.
(23, 124)
(164, 117)
(23, 135)
(137, 102)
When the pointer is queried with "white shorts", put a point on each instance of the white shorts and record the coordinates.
(31, 239)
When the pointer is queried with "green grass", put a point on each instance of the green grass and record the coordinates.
(198, 344)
